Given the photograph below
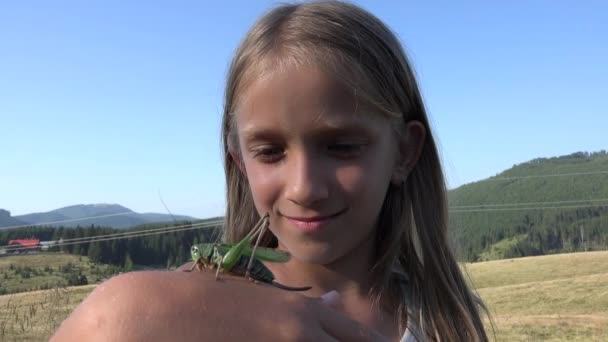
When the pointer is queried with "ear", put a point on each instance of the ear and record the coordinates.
(411, 143)
(238, 161)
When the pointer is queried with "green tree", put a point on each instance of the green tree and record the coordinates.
(95, 252)
(169, 261)
(128, 263)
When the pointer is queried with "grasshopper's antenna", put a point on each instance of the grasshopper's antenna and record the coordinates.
(256, 229)
(260, 233)
(166, 208)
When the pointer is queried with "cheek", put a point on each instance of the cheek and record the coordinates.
(351, 179)
(368, 178)
(263, 184)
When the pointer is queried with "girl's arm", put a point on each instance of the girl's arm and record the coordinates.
(161, 306)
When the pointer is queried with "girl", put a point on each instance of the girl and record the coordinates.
(324, 129)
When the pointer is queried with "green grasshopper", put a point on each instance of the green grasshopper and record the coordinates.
(241, 258)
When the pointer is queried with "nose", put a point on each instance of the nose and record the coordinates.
(306, 182)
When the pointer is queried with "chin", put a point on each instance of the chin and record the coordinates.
(321, 254)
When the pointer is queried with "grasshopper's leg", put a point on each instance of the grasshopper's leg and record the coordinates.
(257, 242)
(217, 262)
(193, 266)
(197, 265)
(234, 254)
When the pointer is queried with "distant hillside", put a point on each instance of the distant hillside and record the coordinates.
(109, 215)
(546, 205)
(6, 220)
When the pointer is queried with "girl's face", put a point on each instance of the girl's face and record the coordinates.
(316, 164)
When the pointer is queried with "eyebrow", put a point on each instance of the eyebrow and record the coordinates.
(329, 129)
(253, 133)
(345, 129)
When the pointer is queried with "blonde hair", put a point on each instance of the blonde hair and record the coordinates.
(414, 264)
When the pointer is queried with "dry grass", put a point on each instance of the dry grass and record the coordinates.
(552, 328)
(533, 269)
(39, 260)
(34, 316)
(548, 298)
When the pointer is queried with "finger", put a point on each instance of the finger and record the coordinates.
(331, 299)
(343, 328)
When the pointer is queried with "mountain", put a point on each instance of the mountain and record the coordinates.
(6, 220)
(109, 215)
(545, 205)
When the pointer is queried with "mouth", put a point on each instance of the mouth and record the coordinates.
(310, 224)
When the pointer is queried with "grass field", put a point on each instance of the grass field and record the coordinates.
(560, 297)
(34, 316)
(47, 270)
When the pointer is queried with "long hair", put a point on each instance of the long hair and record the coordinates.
(414, 265)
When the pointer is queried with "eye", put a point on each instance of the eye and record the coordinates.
(268, 153)
(194, 249)
(345, 150)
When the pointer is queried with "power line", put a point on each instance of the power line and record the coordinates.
(527, 203)
(107, 239)
(137, 232)
(527, 208)
(487, 179)
(451, 209)
(96, 239)
(69, 220)
(549, 175)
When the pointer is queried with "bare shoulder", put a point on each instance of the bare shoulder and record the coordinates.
(168, 306)
(127, 306)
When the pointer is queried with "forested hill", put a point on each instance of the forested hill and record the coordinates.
(6, 220)
(151, 245)
(107, 215)
(546, 205)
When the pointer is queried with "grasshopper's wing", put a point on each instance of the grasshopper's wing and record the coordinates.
(261, 253)
(223, 247)
(268, 254)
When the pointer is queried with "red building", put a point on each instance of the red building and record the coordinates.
(23, 245)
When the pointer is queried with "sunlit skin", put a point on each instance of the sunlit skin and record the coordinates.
(321, 170)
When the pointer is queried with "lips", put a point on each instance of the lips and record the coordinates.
(310, 224)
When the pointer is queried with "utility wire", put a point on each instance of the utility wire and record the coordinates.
(527, 203)
(95, 239)
(527, 208)
(138, 232)
(165, 230)
(69, 220)
(549, 175)
(488, 179)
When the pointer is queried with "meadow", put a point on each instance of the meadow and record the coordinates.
(562, 297)
(42, 271)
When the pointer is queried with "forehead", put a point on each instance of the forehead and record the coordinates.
(300, 98)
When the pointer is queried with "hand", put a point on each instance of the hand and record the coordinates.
(239, 310)
(332, 300)
(304, 319)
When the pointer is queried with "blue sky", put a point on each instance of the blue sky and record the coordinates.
(116, 102)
